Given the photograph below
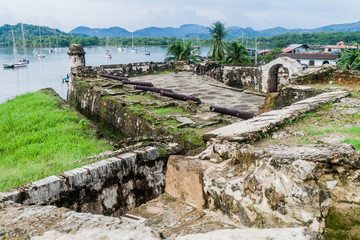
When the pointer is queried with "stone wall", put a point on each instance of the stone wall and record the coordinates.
(108, 112)
(111, 187)
(288, 95)
(123, 70)
(326, 74)
(248, 77)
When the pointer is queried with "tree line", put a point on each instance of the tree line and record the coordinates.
(56, 37)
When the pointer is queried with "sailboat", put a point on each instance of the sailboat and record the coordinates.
(133, 50)
(57, 49)
(121, 48)
(14, 64)
(107, 51)
(40, 54)
(146, 52)
(50, 50)
(24, 58)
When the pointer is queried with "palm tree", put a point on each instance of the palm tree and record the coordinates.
(182, 51)
(237, 53)
(218, 47)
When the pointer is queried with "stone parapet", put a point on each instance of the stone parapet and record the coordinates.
(253, 129)
(110, 187)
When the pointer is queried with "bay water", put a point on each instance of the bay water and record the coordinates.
(47, 72)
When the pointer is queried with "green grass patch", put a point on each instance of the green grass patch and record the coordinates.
(140, 98)
(40, 137)
(162, 72)
(168, 110)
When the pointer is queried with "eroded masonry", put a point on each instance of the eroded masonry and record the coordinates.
(183, 172)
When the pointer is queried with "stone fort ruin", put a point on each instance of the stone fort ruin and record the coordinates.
(183, 172)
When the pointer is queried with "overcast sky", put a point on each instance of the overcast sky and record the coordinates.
(137, 14)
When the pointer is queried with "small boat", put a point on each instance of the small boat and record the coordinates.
(65, 79)
(14, 65)
(121, 49)
(133, 50)
(107, 53)
(146, 52)
(24, 60)
(41, 54)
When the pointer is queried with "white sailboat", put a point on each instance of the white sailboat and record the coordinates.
(24, 58)
(14, 64)
(133, 50)
(146, 52)
(50, 49)
(121, 48)
(107, 51)
(57, 49)
(40, 54)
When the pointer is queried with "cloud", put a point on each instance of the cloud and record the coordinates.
(136, 14)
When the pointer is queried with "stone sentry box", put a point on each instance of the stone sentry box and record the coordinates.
(110, 187)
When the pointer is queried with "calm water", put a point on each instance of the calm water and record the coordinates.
(47, 72)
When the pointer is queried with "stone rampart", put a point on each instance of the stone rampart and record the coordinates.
(111, 187)
(123, 70)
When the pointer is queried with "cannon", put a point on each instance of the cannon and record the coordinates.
(232, 112)
(180, 96)
(137, 83)
(113, 77)
(152, 89)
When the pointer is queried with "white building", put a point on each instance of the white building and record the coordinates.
(313, 59)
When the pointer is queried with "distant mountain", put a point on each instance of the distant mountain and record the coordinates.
(187, 30)
(195, 30)
(101, 32)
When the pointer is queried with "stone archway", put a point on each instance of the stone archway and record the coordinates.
(273, 79)
(278, 72)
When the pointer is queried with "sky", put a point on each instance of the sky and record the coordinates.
(137, 14)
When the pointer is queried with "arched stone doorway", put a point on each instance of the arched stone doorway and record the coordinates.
(277, 74)
(311, 63)
(325, 62)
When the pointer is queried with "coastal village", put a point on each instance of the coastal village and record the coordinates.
(202, 148)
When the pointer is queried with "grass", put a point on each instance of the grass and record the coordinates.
(168, 110)
(140, 98)
(40, 137)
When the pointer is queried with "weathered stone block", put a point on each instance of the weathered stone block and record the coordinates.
(184, 180)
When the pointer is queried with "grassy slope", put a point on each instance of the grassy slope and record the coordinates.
(39, 137)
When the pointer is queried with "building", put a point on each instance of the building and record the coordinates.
(296, 48)
(338, 47)
(312, 59)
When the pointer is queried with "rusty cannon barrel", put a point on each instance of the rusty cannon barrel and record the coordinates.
(137, 83)
(180, 96)
(232, 112)
(152, 89)
(114, 77)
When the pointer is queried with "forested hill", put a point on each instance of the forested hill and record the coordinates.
(195, 30)
(49, 36)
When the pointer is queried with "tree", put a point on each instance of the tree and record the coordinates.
(237, 53)
(218, 47)
(349, 59)
(182, 51)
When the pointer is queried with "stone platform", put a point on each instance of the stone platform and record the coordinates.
(211, 92)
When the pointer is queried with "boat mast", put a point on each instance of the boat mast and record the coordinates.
(40, 38)
(23, 36)
(12, 32)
